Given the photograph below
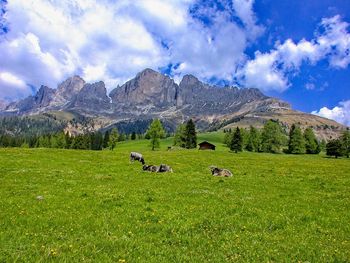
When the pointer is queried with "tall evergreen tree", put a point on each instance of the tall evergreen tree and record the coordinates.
(180, 136)
(311, 143)
(96, 141)
(133, 136)
(296, 144)
(345, 141)
(237, 141)
(105, 140)
(155, 132)
(60, 140)
(68, 140)
(113, 139)
(334, 148)
(81, 142)
(272, 137)
(191, 136)
(253, 144)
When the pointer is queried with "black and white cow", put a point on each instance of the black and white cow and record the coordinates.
(157, 169)
(136, 156)
(150, 168)
(164, 168)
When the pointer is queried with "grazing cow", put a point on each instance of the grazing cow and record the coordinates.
(164, 168)
(150, 168)
(136, 156)
(215, 171)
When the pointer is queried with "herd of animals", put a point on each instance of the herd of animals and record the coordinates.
(135, 156)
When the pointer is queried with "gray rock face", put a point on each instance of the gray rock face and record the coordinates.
(147, 88)
(148, 95)
(41, 100)
(92, 97)
(202, 99)
(3, 105)
(67, 91)
(44, 96)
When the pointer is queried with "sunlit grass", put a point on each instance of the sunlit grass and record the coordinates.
(99, 208)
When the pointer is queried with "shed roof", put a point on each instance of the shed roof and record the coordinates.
(206, 142)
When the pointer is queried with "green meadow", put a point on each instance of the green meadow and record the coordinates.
(97, 207)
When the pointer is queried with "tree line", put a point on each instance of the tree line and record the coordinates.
(273, 139)
(62, 140)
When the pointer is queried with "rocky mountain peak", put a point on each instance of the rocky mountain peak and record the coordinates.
(44, 96)
(70, 87)
(92, 98)
(149, 87)
(189, 80)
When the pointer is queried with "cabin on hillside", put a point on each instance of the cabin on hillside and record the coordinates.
(206, 146)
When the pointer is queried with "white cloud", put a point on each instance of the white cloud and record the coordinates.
(111, 41)
(335, 41)
(270, 71)
(12, 87)
(340, 113)
(49, 41)
(244, 10)
(262, 72)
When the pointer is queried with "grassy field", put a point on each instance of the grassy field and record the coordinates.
(97, 207)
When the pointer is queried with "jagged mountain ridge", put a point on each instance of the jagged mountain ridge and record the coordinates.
(154, 95)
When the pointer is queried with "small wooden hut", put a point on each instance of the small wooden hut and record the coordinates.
(206, 146)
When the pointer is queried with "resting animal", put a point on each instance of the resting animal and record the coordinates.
(164, 168)
(136, 156)
(150, 168)
(157, 169)
(215, 171)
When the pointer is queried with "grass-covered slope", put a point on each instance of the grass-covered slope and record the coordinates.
(99, 208)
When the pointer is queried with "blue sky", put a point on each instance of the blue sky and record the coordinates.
(294, 50)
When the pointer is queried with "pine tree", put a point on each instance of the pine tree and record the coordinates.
(60, 140)
(121, 137)
(296, 144)
(133, 136)
(311, 144)
(180, 136)
(155, 132)
(345, 141)
(253, 144)
(105, 140)
(237, 141)
(96, 141)
(113, 139)
(191, 136)
(272, 137)
(334, 148)
(68, 140)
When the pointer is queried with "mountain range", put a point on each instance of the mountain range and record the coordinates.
(154, 95)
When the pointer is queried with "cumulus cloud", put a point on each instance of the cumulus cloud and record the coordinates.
(271, 70)
(12, 87)
(49, 41)
(244, 10)
(340, 113)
